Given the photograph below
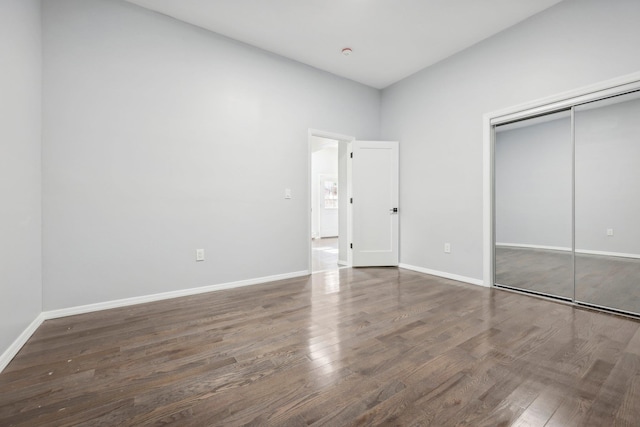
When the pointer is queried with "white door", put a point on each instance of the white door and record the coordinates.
(375, 203)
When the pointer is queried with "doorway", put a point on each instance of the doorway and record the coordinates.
(328, 201)
(367, 193)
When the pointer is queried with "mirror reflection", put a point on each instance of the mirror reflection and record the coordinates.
(607, 203)
(567, 208)
(533, 205)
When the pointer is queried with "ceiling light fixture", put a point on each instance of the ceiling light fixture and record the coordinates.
(347, 51)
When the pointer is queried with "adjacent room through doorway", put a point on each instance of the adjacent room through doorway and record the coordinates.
(325, 222)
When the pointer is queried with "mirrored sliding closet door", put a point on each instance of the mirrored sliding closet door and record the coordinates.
(607, 203)
(533, 205)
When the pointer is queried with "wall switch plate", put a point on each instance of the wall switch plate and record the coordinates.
(447, 248)
(609, 231)
(287, 193)
(199, 254)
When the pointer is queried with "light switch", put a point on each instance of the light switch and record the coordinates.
(609, 231)
(287, 193)
(199, 254)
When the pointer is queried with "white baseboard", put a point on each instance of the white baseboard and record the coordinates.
(451, 276)
(344, 263)
(564, 249)
(15, 346)
(604, 253)
(89, 308)
(524, 245)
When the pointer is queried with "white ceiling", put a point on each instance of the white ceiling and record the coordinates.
(391, 39)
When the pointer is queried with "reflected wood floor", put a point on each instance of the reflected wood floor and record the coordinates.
(606, 281)
(539, 270)
(349, 347)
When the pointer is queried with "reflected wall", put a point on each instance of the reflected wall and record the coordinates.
(607, 202)
(533, 205)
(567, 204)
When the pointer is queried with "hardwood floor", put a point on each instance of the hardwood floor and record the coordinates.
(324, 254)
(349, 347)
(606, 281)
(539, 270)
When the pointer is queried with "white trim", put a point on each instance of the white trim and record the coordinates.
(487, 201)
(331, 135)
(604, 253)
(451, 276)
(349, 205)
(343, 263)
(612, 87)
(527, 246)
(607, 88)
(89, 308)
(16, 345)
(564, 249)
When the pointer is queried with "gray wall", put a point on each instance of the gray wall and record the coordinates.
(436, 115)
(160, 138)
(533, 184)
(533, 192)
(608, 178)
(20, 219)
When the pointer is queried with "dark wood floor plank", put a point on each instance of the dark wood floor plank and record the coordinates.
(375, 346)
(570, 412)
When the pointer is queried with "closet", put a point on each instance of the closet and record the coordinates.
(566, 194)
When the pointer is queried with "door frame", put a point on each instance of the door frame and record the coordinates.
(342, 139)
(593, 92)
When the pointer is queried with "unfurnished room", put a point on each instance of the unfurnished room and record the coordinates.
(319, 212)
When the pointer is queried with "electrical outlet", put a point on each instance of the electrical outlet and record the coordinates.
(609, 231)
(287, 193)
(199, 254)
(447, 248)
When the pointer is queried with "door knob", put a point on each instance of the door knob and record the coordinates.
(393, 210)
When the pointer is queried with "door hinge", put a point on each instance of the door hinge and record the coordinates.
(351, 245)
(351, 200)
(351, 155)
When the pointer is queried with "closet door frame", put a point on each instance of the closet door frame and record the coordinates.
(566, 100)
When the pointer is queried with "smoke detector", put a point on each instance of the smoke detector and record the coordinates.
(347, 51)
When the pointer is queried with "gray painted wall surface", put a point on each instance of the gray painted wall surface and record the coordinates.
(20, 177)
(533, 180)
(608, 178)
(533, 187)
(160, 138)
(436, 114)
